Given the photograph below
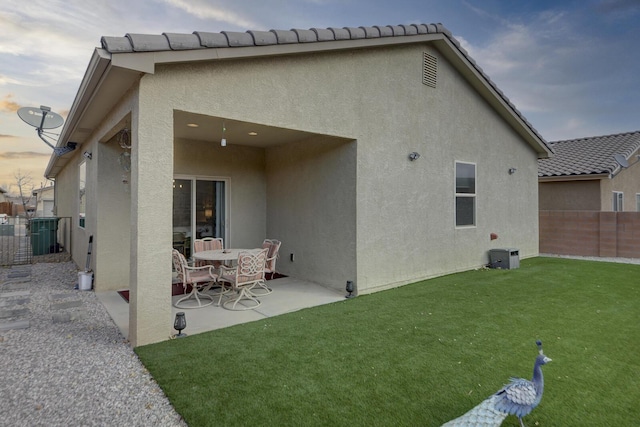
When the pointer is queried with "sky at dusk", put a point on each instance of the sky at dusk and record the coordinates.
(570, 67)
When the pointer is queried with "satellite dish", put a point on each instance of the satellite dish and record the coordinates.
(621, 160)
(42, 117)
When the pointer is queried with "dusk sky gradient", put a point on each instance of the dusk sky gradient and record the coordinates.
(571, 67)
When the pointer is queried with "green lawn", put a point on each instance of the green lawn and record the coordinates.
(422, 354)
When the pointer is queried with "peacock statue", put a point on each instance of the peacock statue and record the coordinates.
(518, 398)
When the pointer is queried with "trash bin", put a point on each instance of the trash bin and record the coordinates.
(44, 235)
(504, 258)
(7, 230)
(85, 279)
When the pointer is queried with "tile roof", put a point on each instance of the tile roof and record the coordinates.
(588, 156)
(202, 40)
(131, 43)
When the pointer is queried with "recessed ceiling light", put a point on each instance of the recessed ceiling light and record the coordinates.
(192, 125)
(252, 133)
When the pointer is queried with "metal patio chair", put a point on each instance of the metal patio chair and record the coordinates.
(201, 279)
(247, 274)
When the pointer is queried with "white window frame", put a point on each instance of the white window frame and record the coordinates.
(618, 201)
(466, 195)
(82, 193)
(227, 200)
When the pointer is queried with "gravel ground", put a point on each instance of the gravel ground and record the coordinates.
(71, 366)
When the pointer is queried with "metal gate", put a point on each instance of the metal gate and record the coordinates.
(26, 241)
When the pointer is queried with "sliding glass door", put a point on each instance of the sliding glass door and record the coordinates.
(199, 210)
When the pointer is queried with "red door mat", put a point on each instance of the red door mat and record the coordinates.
(178, 289)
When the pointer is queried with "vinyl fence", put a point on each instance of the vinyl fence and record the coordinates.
(590, 233)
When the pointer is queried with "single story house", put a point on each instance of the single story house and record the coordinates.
(381, 155)
(44, 201)
(584, 174)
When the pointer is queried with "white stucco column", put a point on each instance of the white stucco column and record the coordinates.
(151, 219)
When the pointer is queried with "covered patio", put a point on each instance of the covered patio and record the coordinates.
(289, 295)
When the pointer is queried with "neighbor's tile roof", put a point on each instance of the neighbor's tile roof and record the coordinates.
(588, 156)
(232, 39)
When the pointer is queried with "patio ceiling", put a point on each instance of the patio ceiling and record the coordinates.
(209, 129)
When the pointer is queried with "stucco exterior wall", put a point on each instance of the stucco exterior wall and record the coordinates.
(405, 210)
(67, 204)
(151, 221)
(570, 195)
(113, 228)
(311, 208)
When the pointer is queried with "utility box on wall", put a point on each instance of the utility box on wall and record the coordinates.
(504, 258)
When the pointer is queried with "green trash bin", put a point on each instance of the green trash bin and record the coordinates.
(44, 235)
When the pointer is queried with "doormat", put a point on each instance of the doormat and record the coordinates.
(176, 289)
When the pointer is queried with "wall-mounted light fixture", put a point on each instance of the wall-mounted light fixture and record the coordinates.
(414, 156)
(512, 171)
(87, 155)
(223, 141)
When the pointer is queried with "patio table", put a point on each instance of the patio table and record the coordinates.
(220, 254)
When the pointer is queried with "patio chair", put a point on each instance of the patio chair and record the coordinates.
(272, 246)
(273, 255)
(248, 273)
(200, 279)
(207, 244)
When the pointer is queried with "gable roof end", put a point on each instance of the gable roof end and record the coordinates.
(114, 61)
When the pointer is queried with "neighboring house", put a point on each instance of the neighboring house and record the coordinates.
(590, 197)
(44, 201)
(305, 136)
(584, 174)
(3, 197)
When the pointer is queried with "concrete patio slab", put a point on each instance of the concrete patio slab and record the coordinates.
(289, 294)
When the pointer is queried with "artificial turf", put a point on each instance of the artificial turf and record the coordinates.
(422, 354)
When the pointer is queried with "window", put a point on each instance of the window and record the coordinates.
(82, 189)
(199, 210)
(465, 194)
(637, 202)
(617, 201)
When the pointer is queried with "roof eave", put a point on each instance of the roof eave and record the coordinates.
(581, 177)
(95, 71)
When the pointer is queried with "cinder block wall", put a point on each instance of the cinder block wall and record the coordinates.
(590, 233)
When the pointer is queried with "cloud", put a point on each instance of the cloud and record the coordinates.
(203, 10)
(13, 155)
(7, 105)
(623, 6)
(563, 70)
(5, 80)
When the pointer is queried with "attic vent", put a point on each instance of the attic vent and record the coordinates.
(429, 69)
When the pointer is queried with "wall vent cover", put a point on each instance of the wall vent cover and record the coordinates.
(429, 69)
